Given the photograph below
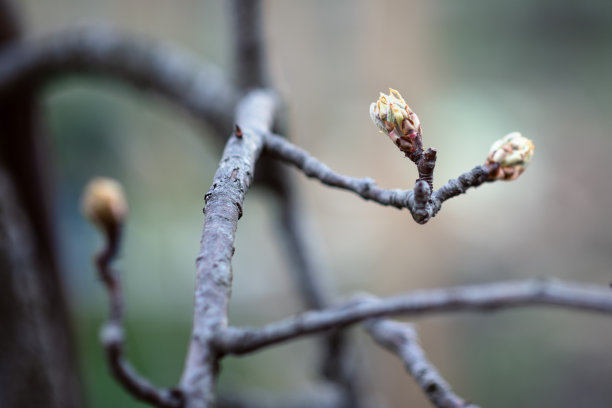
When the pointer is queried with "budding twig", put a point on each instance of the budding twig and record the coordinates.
(395, 118)
(507, 159)
(422, 208)
(104, 204)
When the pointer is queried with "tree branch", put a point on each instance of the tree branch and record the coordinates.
(401, 339)
(112, 334)
(198, 88)
(214, 275)
(483, 297)
(336, 364)
(248, 44)
(422, 210)
(249, 60)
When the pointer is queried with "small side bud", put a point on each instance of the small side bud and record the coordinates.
(509, 157)
(238, 131)
(103, 203)
(395, 118)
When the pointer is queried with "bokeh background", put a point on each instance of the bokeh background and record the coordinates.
(473, 70)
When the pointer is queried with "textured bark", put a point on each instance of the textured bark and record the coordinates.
(214, 272)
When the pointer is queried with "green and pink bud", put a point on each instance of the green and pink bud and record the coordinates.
(509, 157)
(395, 118)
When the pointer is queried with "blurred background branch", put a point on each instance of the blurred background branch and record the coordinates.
(402, 340)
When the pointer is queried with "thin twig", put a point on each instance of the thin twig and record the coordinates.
(312, 167)
(483, 297)
(248, 44)
(401, 339)
(197, 87)
(214, 275)
(321, 396)
(422, 211)
(454, 187)
(112, 334)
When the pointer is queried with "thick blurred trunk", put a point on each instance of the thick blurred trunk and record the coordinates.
(37, 356)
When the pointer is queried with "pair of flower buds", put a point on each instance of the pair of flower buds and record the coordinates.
(508, 156)
(105, 205)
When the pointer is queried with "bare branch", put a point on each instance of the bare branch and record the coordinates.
(112, 335)
(460, 185)
(248, 44)
(422, 210)
(214, 275)
(483, 297)
(336, 364)
(401, 339)
(307, 280)
(249, 73)
(199, 88)
(312, 167)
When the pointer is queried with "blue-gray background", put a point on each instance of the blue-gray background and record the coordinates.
(473, 70)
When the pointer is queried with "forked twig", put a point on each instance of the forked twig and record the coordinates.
(366, 188)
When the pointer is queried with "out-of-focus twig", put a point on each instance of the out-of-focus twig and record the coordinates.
(483, 297)
(197, 87)
(401, 339)
(101, 210)
(337, 361)
(321, 396)
(249, 58)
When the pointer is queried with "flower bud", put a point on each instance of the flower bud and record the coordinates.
(103, 203)
(509, 157)
(395, 118)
